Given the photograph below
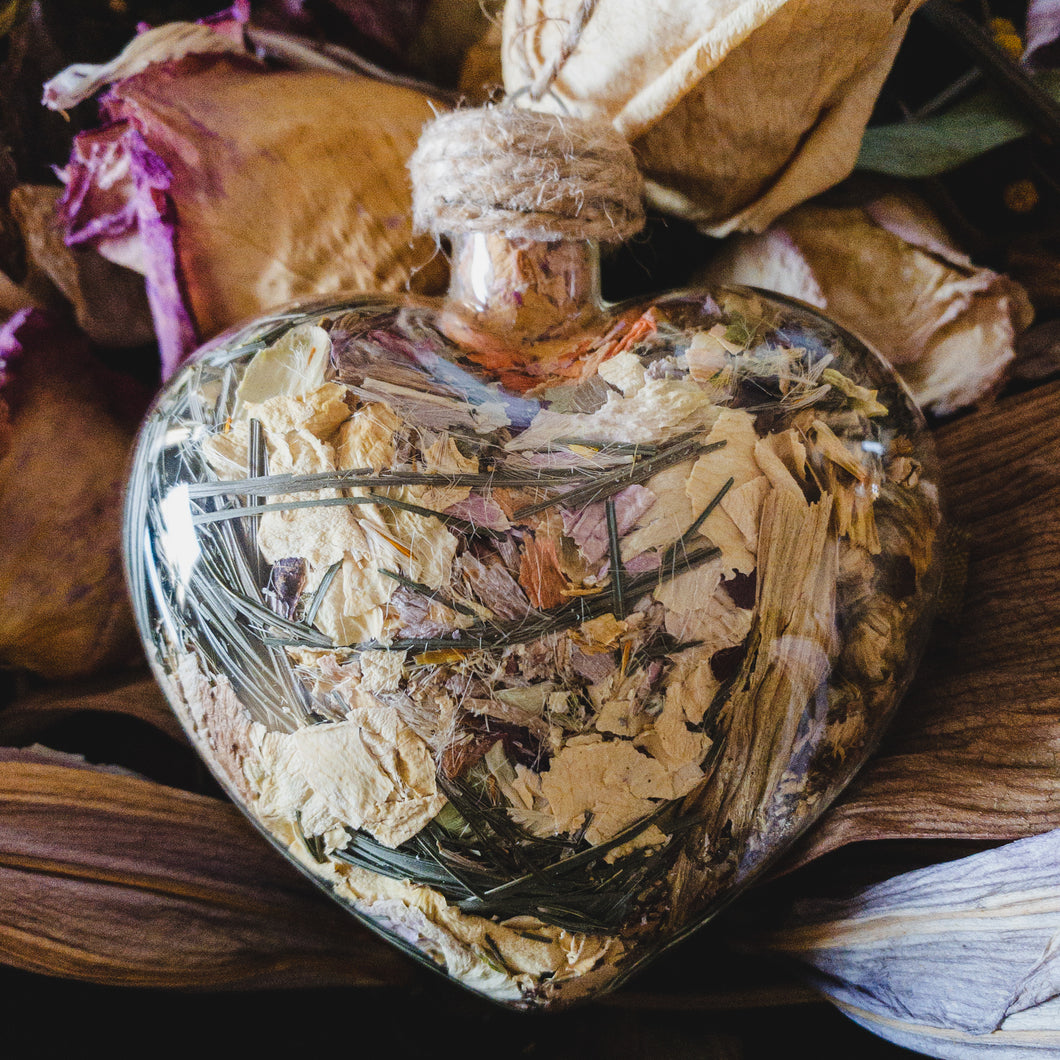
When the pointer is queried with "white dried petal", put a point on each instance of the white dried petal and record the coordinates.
(955, 960)
(780, 91)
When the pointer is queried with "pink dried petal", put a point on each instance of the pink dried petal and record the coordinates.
(480, 511)
(588, 527)
(494, 587)
(117, 199)
(235, 190)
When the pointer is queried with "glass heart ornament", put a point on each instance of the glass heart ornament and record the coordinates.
(532, 628)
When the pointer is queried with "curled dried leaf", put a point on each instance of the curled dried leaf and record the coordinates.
(212, 905)
(315, 201)
(948, 326)
(781, 90)
(956, 960)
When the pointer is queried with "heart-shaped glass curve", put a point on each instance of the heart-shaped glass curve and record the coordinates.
(533, 658)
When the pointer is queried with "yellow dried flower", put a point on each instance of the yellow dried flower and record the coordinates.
(1007, 37)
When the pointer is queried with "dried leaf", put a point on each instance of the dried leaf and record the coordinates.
(63, 606)
(971, 754)
(316, 197)
(780, 90)
(928, 146)
(114, 879)
(947, 326)
(161, 44)
(957, 960)
(133, 696)
(539, 572)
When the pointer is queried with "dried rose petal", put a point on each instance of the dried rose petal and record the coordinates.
(235, 190)
(63, 606)
(108, 301)
(164, 43)
(737, 110)
(889, 273)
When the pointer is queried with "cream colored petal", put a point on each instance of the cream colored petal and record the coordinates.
(367, 438)
(609, 783)
(319, 411)
(716, 624)
(293, 365)
(780, 91)
(353, 608)
(624, 371)
(370, 771)
(743, 506)
(947, 326)
(775, 469)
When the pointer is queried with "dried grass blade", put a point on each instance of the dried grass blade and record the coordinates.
(603, 485)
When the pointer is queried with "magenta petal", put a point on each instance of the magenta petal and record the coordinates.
(98, 202)
(230, 21)
(156, 219)
(12, 334)
(118, 188)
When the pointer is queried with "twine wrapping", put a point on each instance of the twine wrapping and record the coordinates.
(525, 173)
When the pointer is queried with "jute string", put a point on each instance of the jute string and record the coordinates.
(525, 173)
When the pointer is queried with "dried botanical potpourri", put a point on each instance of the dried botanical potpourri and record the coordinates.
(532, 628)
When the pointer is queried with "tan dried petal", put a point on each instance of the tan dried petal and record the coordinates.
(109, 302)
(947, 326)
(64, 611)
(780, 90)
(611, 781)
(316, 197)
(370, 771)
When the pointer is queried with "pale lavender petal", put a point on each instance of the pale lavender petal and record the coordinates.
(480, 511)
(958, 948)
(1043, 28)
(588, 528)
(117, 200)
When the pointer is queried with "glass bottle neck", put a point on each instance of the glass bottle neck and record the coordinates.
(525, 289)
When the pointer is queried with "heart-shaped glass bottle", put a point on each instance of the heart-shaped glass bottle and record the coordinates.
(534, 629)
